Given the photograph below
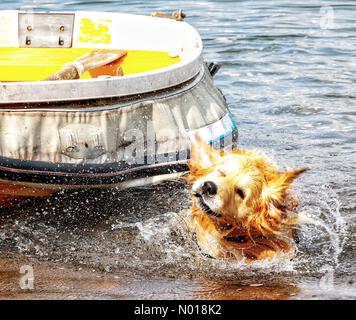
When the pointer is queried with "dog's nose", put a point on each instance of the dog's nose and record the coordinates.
(209, 188)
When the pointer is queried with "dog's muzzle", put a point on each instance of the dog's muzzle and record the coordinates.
(204, 207)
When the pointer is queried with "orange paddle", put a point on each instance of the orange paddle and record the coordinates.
(92, 60)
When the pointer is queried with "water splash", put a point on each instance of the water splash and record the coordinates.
(164, 240)
(321, 208)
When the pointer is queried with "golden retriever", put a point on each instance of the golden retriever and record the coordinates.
(242, 205)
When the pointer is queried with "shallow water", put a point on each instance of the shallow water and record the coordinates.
(288, 73)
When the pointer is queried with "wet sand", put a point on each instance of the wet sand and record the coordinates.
(53, 281)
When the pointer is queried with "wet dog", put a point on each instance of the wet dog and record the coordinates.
(243, 205)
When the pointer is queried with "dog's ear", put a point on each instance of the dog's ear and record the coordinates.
(277, 198)
(277, 187)
(290, 175)
(202, 155)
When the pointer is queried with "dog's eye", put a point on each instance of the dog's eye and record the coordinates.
(240, 192)
(222, 173)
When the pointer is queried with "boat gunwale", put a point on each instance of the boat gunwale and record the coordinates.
(107, 104)
(22, 92)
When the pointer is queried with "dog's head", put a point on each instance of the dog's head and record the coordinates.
(242, 187)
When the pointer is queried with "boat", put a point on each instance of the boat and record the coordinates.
(121, 125)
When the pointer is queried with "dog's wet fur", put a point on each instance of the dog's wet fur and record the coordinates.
(243, 205)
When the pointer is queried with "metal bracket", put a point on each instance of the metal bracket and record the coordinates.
(213, 68)
(177, 15)
(52, 30)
